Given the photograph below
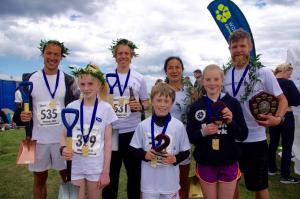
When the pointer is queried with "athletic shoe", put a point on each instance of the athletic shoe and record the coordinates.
(273, 173)
(289, 180)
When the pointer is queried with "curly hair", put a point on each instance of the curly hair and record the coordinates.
(44, 43)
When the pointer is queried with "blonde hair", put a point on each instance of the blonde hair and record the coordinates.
(103, 88)
(207, 68)
(283, 67)
(163, 89)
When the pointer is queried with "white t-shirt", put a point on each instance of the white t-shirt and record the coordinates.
(268, 84)
(163, 179)
(128, 121)
(47, 124)
(18, 96)
(93, 163)
(180, 104)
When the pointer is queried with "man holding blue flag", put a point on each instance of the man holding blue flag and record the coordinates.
(245, 78)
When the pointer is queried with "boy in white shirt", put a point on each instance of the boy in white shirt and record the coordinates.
(160, 174)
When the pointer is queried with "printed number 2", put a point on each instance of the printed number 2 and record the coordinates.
(49, 113)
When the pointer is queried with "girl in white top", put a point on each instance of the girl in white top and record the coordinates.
(91, 147)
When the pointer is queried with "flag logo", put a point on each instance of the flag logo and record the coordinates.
(223, 13)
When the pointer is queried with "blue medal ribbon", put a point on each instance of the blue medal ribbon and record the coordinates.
(47, 83)
(86, 137)
(111, 87)
(119, 84)
(168, 119)
(235, 91)
(209, 110)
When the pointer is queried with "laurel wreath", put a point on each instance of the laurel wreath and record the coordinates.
(254, 65)
(116, 43)
(87, 70)
(44, 43)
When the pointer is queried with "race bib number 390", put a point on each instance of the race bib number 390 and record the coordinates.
(48, 113)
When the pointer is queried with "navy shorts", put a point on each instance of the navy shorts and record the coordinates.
(254, 165)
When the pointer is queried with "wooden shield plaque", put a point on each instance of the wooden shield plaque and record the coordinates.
(263, 103)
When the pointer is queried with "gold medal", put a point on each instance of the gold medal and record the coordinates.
(121, 101)
(85, 150)
(215, 144)
(52, 104)
(154, 163)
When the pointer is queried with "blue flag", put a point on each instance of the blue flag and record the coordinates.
(229, 18)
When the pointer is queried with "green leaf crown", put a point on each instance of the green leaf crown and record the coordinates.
(118, 42)
(44, 43)
(90, 69)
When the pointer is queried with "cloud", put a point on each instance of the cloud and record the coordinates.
(159, 28)
(48, 8)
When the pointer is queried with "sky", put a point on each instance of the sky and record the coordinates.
(160, 28)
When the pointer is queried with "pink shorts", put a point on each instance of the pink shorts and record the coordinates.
(213, 174)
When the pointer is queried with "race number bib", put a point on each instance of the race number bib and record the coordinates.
(121, 107)
(93, 143)
(159, 156)
(48, 113)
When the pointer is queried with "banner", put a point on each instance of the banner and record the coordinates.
(229, 18)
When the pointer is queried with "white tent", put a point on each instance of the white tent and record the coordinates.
(293, 57)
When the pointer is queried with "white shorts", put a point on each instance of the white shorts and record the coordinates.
(160, 196)
(47, 156)
(89, 177)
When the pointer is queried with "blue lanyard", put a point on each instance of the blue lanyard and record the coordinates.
(119, 84)
(163, 131)
(86, 137)
(56, 83)
(235, 91)
(111, 87)
(209, 110)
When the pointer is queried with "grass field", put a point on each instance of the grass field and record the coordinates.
(16, 181)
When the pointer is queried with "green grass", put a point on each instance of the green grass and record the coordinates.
(16, 181)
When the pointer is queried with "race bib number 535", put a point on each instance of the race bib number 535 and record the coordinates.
(48, 113)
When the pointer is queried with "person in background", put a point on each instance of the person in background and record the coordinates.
(244, 79)
(4, 124)
(129, 116)
(197, 74)
(286, 129)
(52, 91)
(214, 131)
(160, 176)
(185, 95)
(18, 98)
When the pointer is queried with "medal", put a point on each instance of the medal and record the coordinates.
(121, 101)
(154, 163)
(85, 147)
(85, 150)
(215, 144)
(52, 104)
